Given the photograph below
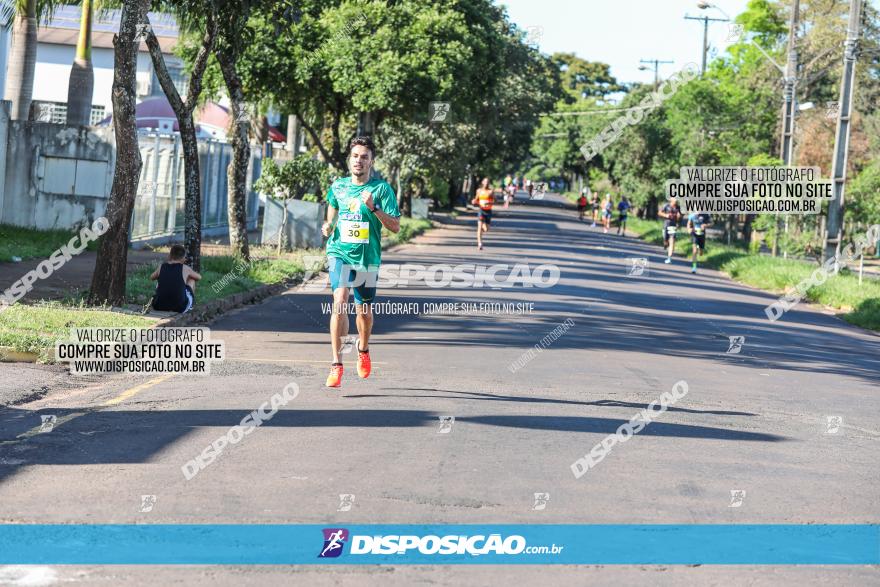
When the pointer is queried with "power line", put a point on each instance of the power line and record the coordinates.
(599, 111)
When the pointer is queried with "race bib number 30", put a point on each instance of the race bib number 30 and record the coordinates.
(354, 232)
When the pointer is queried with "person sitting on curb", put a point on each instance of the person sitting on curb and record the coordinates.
(175, 290)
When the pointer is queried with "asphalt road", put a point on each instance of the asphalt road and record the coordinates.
(790, 420)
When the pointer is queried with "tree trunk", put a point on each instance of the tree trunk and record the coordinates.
(651, 208)
(406, 208)
(108, 280)
(747, 228)
(192, 189)
(259, 126)
(192, 238)
(453, 192)
(282, 236)
(81, 84)
(293, 134)
(22, 60)
(237, 172)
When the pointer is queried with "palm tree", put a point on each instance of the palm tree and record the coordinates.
(23, 54)
(82, 78)
(22, 59)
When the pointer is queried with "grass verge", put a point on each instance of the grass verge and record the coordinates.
(409, 229)
(34, 328)
(224, 275)
(29, 243)
(860, 303)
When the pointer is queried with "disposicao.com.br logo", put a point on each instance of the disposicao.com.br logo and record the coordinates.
(334, 541)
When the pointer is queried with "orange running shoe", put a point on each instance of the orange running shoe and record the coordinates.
(335, 377)
(364, 365)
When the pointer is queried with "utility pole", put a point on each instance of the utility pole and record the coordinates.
(834, 222)
(706, 20)
(656, 63)
(789, 103)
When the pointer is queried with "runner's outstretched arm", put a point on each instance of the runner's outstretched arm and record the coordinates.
(328, 226)
(389, 222)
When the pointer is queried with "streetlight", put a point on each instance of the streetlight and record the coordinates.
(706, 20)
(708, 5)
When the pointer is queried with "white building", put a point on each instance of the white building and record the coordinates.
(56, 50)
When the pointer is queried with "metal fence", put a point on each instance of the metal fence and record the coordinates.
(159, 205)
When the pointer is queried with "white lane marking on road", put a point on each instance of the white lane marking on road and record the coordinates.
(309, 361)
(29, 575)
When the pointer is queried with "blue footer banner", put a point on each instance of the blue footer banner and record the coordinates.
(294, 544)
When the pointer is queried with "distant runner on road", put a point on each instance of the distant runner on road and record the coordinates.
(622, 210)
(697, 225)
(359, 206)
(671, 212)
(510, 195)
(485, 200)
(607, 212)
(594, 206)
(582, 206)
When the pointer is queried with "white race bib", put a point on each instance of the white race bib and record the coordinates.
(353, 232)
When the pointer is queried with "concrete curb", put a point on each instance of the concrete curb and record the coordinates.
(9, 355)
(203, 313)
(215, 308)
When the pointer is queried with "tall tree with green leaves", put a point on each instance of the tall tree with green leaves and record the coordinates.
(198, 22)
(108, 279)
(234, 35)
(582, 79)
(341, 59)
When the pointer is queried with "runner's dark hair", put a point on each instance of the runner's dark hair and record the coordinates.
(363, 141)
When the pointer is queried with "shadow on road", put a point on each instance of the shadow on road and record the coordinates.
(539, 400)
(126, 436)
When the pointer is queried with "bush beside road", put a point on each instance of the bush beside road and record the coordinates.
(860, 304)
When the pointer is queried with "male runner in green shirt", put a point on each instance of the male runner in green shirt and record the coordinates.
(359, 207)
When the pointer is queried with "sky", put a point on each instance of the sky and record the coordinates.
(622, 32)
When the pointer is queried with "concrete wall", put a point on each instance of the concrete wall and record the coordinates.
(56, 176)
(304, 220)
(420, 207)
